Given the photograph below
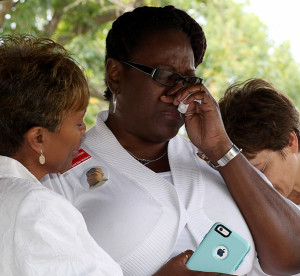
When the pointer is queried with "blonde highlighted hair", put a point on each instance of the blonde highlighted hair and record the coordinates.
(39, 84)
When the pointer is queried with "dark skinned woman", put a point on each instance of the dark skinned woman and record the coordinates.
(42, 124)
(160, 197)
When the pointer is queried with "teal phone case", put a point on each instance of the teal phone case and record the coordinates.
(222, 250)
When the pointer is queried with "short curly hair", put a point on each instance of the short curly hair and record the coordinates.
(39, 84)
(257, 116)
(128, 30)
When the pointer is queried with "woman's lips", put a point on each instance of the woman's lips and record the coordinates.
(172, 113)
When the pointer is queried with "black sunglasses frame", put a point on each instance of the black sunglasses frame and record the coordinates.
(153, 71)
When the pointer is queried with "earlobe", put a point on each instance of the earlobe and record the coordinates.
(35, 138)
(113, 74)
(293, 142)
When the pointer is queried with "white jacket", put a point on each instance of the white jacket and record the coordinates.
(136, 216)
(41, 232)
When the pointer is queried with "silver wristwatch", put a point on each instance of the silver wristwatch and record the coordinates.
(228, 156)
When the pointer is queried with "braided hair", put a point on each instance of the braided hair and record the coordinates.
(128, 30)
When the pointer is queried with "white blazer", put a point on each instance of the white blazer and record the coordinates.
(42, 233)
(137, 215)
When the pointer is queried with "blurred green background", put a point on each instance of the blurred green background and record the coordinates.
(238, 43)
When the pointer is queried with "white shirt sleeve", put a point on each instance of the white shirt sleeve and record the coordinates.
(51, 238)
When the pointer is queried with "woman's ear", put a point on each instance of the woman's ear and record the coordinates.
(113, 74)
(293, 142)
(35, 138)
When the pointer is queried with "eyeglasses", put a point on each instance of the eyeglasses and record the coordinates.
(262, 170)
(164, 76)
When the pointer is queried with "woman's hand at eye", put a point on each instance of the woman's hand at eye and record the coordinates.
(203, 120)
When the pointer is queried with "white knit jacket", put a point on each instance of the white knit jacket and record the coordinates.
(137, 216)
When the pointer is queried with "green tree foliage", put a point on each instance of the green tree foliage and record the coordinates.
(239, 48)
(238, 45)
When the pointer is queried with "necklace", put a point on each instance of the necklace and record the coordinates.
(146, 161)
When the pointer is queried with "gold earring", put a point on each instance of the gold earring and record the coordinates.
(42, 158)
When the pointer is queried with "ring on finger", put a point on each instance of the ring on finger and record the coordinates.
(186, 97)
(189, 114)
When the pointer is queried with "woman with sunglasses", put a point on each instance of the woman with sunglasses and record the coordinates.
(43, 97)
(266, 124)
(160, 197)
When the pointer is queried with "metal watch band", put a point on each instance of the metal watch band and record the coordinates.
(228, 156)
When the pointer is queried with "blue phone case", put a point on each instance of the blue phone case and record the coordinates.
(222, 250)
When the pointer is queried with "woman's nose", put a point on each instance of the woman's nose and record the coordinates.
(175, 89)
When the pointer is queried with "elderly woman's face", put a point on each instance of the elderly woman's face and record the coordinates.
(139, 106)
(282, 172)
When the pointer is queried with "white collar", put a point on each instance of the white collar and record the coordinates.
(10, 167)
(103, 115)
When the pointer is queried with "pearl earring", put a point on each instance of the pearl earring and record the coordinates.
(42, 158)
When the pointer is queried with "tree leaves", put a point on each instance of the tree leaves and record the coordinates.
(238, 45)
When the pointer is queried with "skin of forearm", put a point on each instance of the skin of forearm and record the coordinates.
(273, 221)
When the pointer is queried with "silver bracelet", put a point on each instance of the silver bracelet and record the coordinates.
(228, 156)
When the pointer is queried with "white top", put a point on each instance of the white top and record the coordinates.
(137, 215)
(41, 232)
(185, 239)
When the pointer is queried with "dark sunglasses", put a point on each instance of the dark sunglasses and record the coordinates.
(164, 76)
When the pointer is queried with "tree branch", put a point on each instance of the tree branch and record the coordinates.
(76, 3)
(52, 25)
(5, 8)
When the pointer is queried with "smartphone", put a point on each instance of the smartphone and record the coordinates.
(222, 250)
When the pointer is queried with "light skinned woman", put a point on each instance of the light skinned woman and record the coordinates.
(43, 97)
(160, 197)
(265, 123)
